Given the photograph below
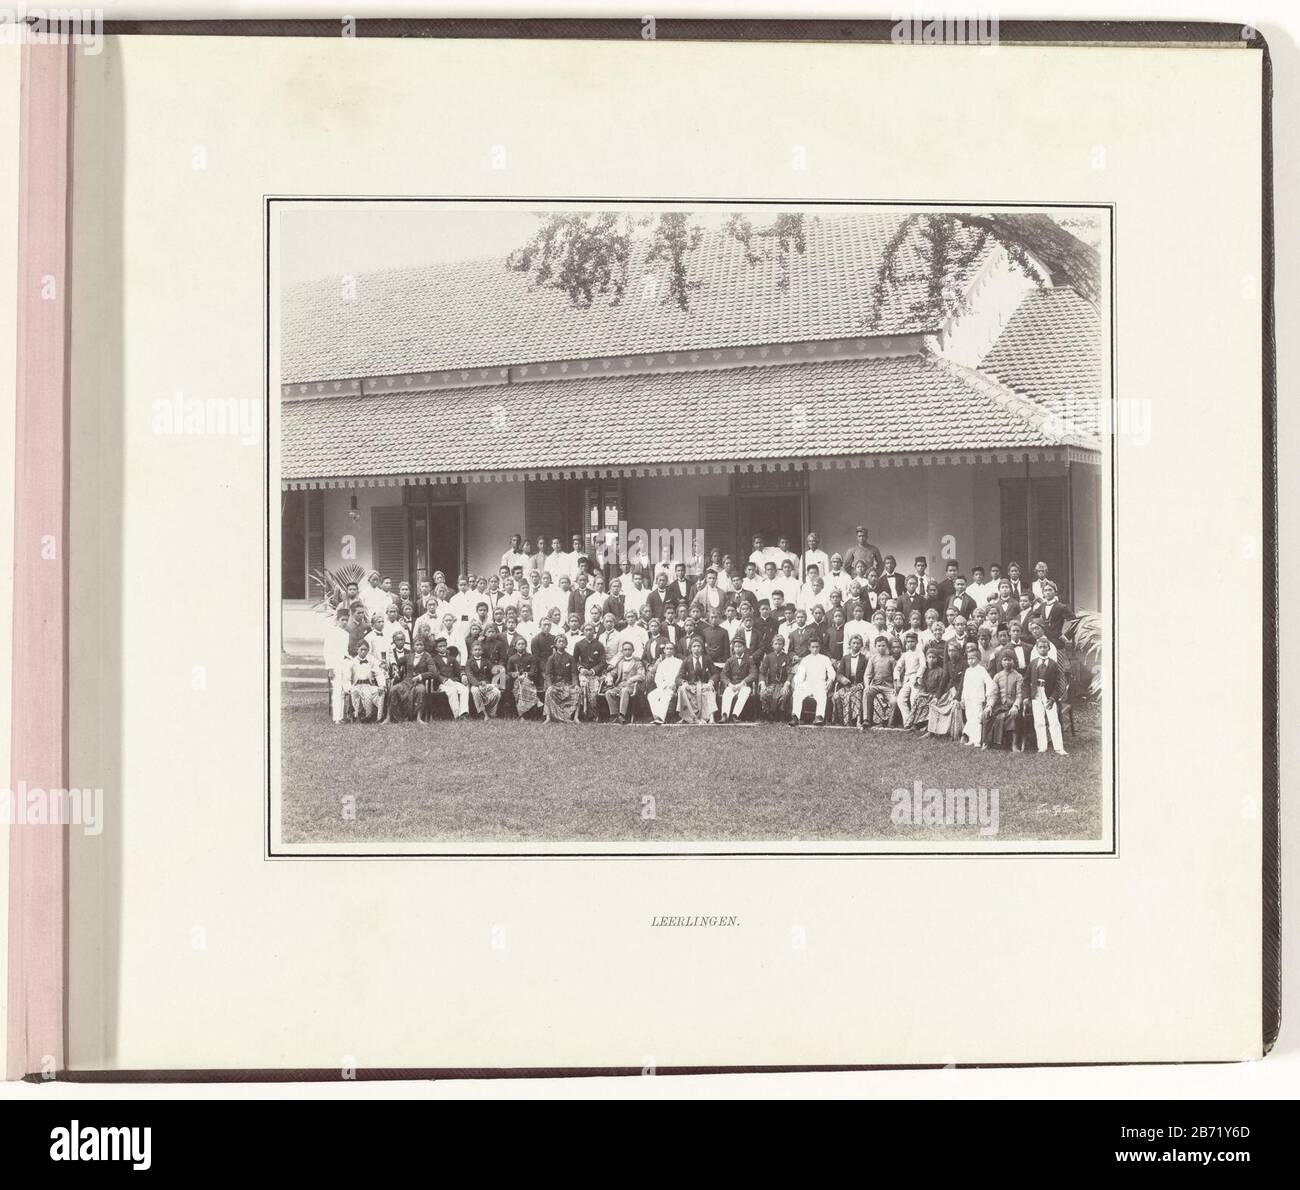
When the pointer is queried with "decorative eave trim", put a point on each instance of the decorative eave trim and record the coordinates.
(943, 458)
(704, 359)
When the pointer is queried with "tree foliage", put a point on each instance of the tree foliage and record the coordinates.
(587, 255)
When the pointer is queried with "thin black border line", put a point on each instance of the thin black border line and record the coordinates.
(1046, 34)
(1270, 798)
(268, 201)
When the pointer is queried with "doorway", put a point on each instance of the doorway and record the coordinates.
(771, 514)
(293, 545)
(437, 537)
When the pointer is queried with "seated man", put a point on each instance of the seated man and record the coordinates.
(774, 680)
(446, 680)
(484, 692)
(696, 702)
(563, 692)
(402, 682)
(813, 679)
(737, 682)
(366, 682)
(626, 681)
(665, 677)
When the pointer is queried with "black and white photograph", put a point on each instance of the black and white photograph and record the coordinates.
(690, 526)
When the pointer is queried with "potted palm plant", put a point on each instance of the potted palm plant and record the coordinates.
(1084, 634)
(332, 585)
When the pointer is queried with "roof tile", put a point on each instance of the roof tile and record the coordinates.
(906, 404)
(475, 313)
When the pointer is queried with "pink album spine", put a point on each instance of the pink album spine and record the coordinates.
(37, 876)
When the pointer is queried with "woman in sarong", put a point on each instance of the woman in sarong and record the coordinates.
(519, 668)
(1004, 722)
(929, 686)
(484, 693)
(945, 720)
(563, 694)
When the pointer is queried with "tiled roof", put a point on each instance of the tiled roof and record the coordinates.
(476, 313)
(1050, 351)
(897, 405)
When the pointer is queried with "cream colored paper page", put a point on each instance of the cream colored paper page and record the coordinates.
(191, 950)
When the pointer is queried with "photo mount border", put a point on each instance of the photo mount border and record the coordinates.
(272, 391)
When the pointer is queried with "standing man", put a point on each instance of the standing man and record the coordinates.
(680, 589)
(850, 679)
(375, 597)
(515, 555)
(1040, 577)
(879, 698)
(538, 560)
(338, 663)
(959, 601)
(1013, 577)
(557, 561)
(861, 551)
(717, 642)
(710, 597)
(1047, 688)
(658, 601)
(890, 582)
(577, 556)
(634, 595)
(814, 555)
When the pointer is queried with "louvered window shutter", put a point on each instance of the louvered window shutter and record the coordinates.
(389, 528)
(1049, 532)
(715, 520)
(315, 530)
(544, 510)
(1015, 526)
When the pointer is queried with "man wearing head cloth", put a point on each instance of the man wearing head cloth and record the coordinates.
(374, 596)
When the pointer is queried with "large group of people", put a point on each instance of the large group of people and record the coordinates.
(845, 639)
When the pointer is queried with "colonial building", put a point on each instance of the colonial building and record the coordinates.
(435, 411)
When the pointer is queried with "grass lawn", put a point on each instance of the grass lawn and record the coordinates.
(507, 780)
